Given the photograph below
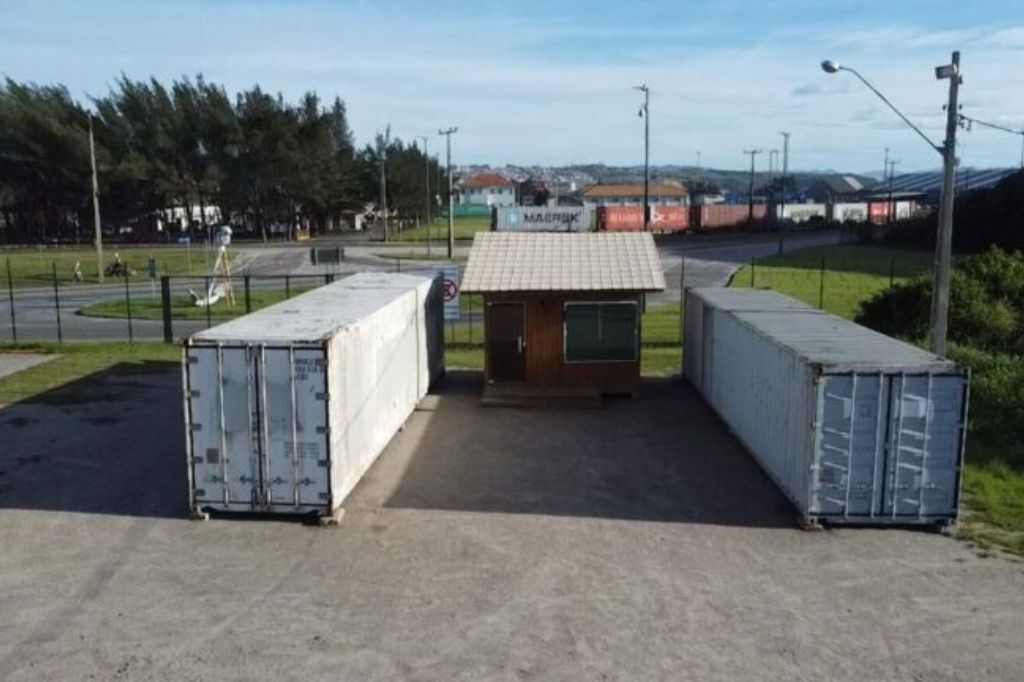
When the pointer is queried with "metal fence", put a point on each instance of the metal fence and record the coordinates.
(52, 306)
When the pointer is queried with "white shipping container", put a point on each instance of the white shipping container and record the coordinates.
(800, 213)
(852, 425)
(541, 219)
(286, 408)
(850, 212)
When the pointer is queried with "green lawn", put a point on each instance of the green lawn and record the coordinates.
(993, 490)
(183, 307)
(464, 228)
(33, 267)
(852, 274)
(81, 359)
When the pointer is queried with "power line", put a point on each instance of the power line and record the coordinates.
(968, 121)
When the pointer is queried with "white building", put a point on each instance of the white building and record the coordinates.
(487, 189)
(662, 194)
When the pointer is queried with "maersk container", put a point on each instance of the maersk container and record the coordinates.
(287, 408)
(541, 219)
(853, 426)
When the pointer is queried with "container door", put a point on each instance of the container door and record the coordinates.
(506, 342)
(853, 409)
(927, 415)
(293, 396)
(223, 415)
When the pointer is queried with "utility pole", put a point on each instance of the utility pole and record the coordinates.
(750, 195)
(944, 241)
(451, 209)
(785, 171)
(383, 141)
(773, 164)
(96, 206)
(426, 190)
(939, 322)
(891, 163)
(700, 173)
(645, 114)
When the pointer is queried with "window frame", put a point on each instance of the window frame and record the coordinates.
(565, 331)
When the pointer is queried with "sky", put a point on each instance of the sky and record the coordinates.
(550, 82)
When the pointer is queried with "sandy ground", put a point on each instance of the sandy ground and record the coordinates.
(638, 542)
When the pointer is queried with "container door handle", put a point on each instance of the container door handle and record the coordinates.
(519, 344)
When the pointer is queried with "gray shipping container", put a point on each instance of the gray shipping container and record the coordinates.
(853, 426)
(286, 408)
(541, 219)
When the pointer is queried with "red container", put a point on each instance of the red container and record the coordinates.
(631, 218)
(723, 216)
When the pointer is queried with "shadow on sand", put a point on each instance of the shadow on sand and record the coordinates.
(663, 457)
(109, 443)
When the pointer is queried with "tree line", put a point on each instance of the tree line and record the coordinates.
(266, 165)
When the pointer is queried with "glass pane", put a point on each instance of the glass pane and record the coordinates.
(600, 332)
(618, 331)
(582, 337)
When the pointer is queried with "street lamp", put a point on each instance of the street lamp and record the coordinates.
(944, 239)
(645, 114)
(447, 133)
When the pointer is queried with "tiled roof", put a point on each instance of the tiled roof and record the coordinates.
(548, 261)
(484, 180)
(637, 190)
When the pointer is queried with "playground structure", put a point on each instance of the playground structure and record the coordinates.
(219, 284)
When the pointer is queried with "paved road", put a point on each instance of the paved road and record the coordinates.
(709, 262)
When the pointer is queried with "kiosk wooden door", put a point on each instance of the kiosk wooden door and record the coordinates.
(506, 342)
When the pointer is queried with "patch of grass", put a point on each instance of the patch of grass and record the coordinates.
(77, 360)
(463, 227)
(460, 356)
(33, 267)
(661, 361)
(660, 326)
(853, 273)
(184, 308)
(994, 496)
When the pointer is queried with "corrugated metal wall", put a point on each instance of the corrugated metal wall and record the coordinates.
(875, 442)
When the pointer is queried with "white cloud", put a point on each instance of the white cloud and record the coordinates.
(532, 90)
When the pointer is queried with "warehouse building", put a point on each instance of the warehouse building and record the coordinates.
(659, 194)
(562, 310)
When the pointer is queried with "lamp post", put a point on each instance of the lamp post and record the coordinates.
(785, 172)
(98, 237)
(944, 238)
(891, 209)
(426, 190)
(451, 209)
(750, 195)
(645, 114)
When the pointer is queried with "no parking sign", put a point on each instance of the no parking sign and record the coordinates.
(450, 286)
